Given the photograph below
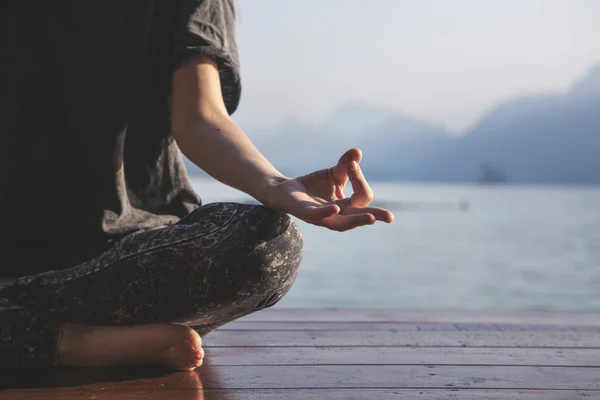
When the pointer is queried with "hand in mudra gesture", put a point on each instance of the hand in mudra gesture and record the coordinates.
(318, 197)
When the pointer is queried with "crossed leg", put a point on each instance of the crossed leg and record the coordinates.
(134, 303)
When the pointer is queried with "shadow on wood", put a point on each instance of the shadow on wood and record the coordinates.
(65, 380)
(73, 377)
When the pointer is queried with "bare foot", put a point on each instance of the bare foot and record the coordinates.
(167, 345)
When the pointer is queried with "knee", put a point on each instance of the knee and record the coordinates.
(273, 251)
(255, 252)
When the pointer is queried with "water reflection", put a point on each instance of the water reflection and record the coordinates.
(115, 384)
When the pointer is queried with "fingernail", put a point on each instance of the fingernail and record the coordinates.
(353, 165)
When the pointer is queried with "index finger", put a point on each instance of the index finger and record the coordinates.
(344, 223)
(363, 195)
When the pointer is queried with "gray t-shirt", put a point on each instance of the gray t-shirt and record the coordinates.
(86, 154)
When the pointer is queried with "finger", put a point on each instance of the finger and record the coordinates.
(343, 203)
(340, 172)
(354, 154)
(339, 192)
(363, 195)
(316, 213)
(340, 176)
(343, 223)
(380, 214)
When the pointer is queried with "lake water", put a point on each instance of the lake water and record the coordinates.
(455, 247)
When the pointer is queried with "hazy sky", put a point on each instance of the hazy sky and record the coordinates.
(444, 60)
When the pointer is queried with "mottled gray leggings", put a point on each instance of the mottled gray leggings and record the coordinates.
(222, 261)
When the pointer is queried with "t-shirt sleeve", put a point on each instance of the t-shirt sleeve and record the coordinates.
(207, 27)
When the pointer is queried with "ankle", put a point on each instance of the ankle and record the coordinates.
(71, 342)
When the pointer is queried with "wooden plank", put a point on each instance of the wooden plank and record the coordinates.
(280, 314)
(355, 376)
(260, 377)
(306, 394)
(397, 326)
(571, 339)
(74, 378)
(401, 356)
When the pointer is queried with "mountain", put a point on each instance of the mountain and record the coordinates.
(543, 139)
(547, 138)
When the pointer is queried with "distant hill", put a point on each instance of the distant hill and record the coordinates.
(549, 138)
(543, 139)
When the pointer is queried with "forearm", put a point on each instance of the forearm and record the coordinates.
(222, 149)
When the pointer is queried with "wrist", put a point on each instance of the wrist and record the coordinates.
(264, 190)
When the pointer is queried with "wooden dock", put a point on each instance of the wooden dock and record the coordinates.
(336, 354)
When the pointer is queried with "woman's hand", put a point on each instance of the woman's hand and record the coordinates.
(318, 197)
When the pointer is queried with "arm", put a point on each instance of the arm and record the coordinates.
(209, 138)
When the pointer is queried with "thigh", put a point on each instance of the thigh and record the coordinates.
(5, 282)
(218, 262)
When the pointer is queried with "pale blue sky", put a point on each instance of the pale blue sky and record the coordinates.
(444, 60)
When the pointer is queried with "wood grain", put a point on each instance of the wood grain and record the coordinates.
(360, 376)
(568, 339)
(360, 354)
(307, 394)
(281, 314)
(345, 376)
(398, 326)
(401, 356)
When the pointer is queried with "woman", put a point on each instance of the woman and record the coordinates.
(112, 252)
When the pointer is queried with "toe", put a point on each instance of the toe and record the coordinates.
(191, 338)
(199, 353)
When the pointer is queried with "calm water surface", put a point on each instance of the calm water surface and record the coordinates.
(455, 247)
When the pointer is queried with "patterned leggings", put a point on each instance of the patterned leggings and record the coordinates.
(221, 262)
